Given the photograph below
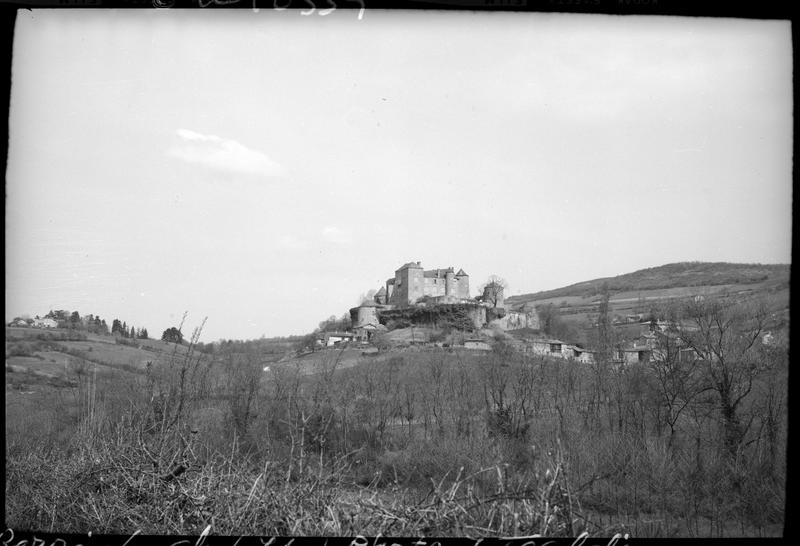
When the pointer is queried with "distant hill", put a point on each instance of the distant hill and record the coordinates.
(676, 275)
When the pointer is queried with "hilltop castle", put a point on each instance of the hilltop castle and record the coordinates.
(414, 287)
(411, 283)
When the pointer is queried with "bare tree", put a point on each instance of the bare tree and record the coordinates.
(677, 380)
(369, 295)
(494, 290)
(727, 340)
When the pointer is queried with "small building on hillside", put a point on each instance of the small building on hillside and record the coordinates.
(329, 339)
(559, 349)
(45, 323)
(634, 355)
(477, 343)
(366, 332)
(580, 354)
(548, 347)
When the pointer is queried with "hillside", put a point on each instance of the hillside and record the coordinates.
(696, 275)
(633, 295)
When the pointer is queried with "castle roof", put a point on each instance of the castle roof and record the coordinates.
(437, 273)
(381, 291)
(410, 264)
(461, 273)
(368, 303)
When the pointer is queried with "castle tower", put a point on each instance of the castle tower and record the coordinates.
(493, 294)
(364, 315)
(449, 282)
(409, 284)
(463, 284)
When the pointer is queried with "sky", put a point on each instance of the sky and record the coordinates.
(265, 170)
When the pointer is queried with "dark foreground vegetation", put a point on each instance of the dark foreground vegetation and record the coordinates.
(416, 442)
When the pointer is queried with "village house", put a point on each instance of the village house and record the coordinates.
(559, 349)
(18, 323)
(45, 323)
(548, 347)
(581, 355)
(329, 339)
(365, 333)
(659, 345)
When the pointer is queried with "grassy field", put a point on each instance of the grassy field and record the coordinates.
(637, 292)
(690, 276)
(308, 363)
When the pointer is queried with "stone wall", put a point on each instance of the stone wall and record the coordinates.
(514, 320)
(434, 286)
(478, 315)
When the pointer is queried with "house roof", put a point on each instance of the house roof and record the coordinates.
(580, 349)
(549, 341)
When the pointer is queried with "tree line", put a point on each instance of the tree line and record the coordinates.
(90, 323)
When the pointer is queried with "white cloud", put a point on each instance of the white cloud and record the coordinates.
(336, 235)
(223, 155)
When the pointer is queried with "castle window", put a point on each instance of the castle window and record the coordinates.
(555, 347)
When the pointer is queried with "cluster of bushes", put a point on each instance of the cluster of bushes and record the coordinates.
(53, 336)
(456, 316)
(33, 346)
(19, 348)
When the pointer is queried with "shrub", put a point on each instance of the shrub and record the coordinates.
(19, 348)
